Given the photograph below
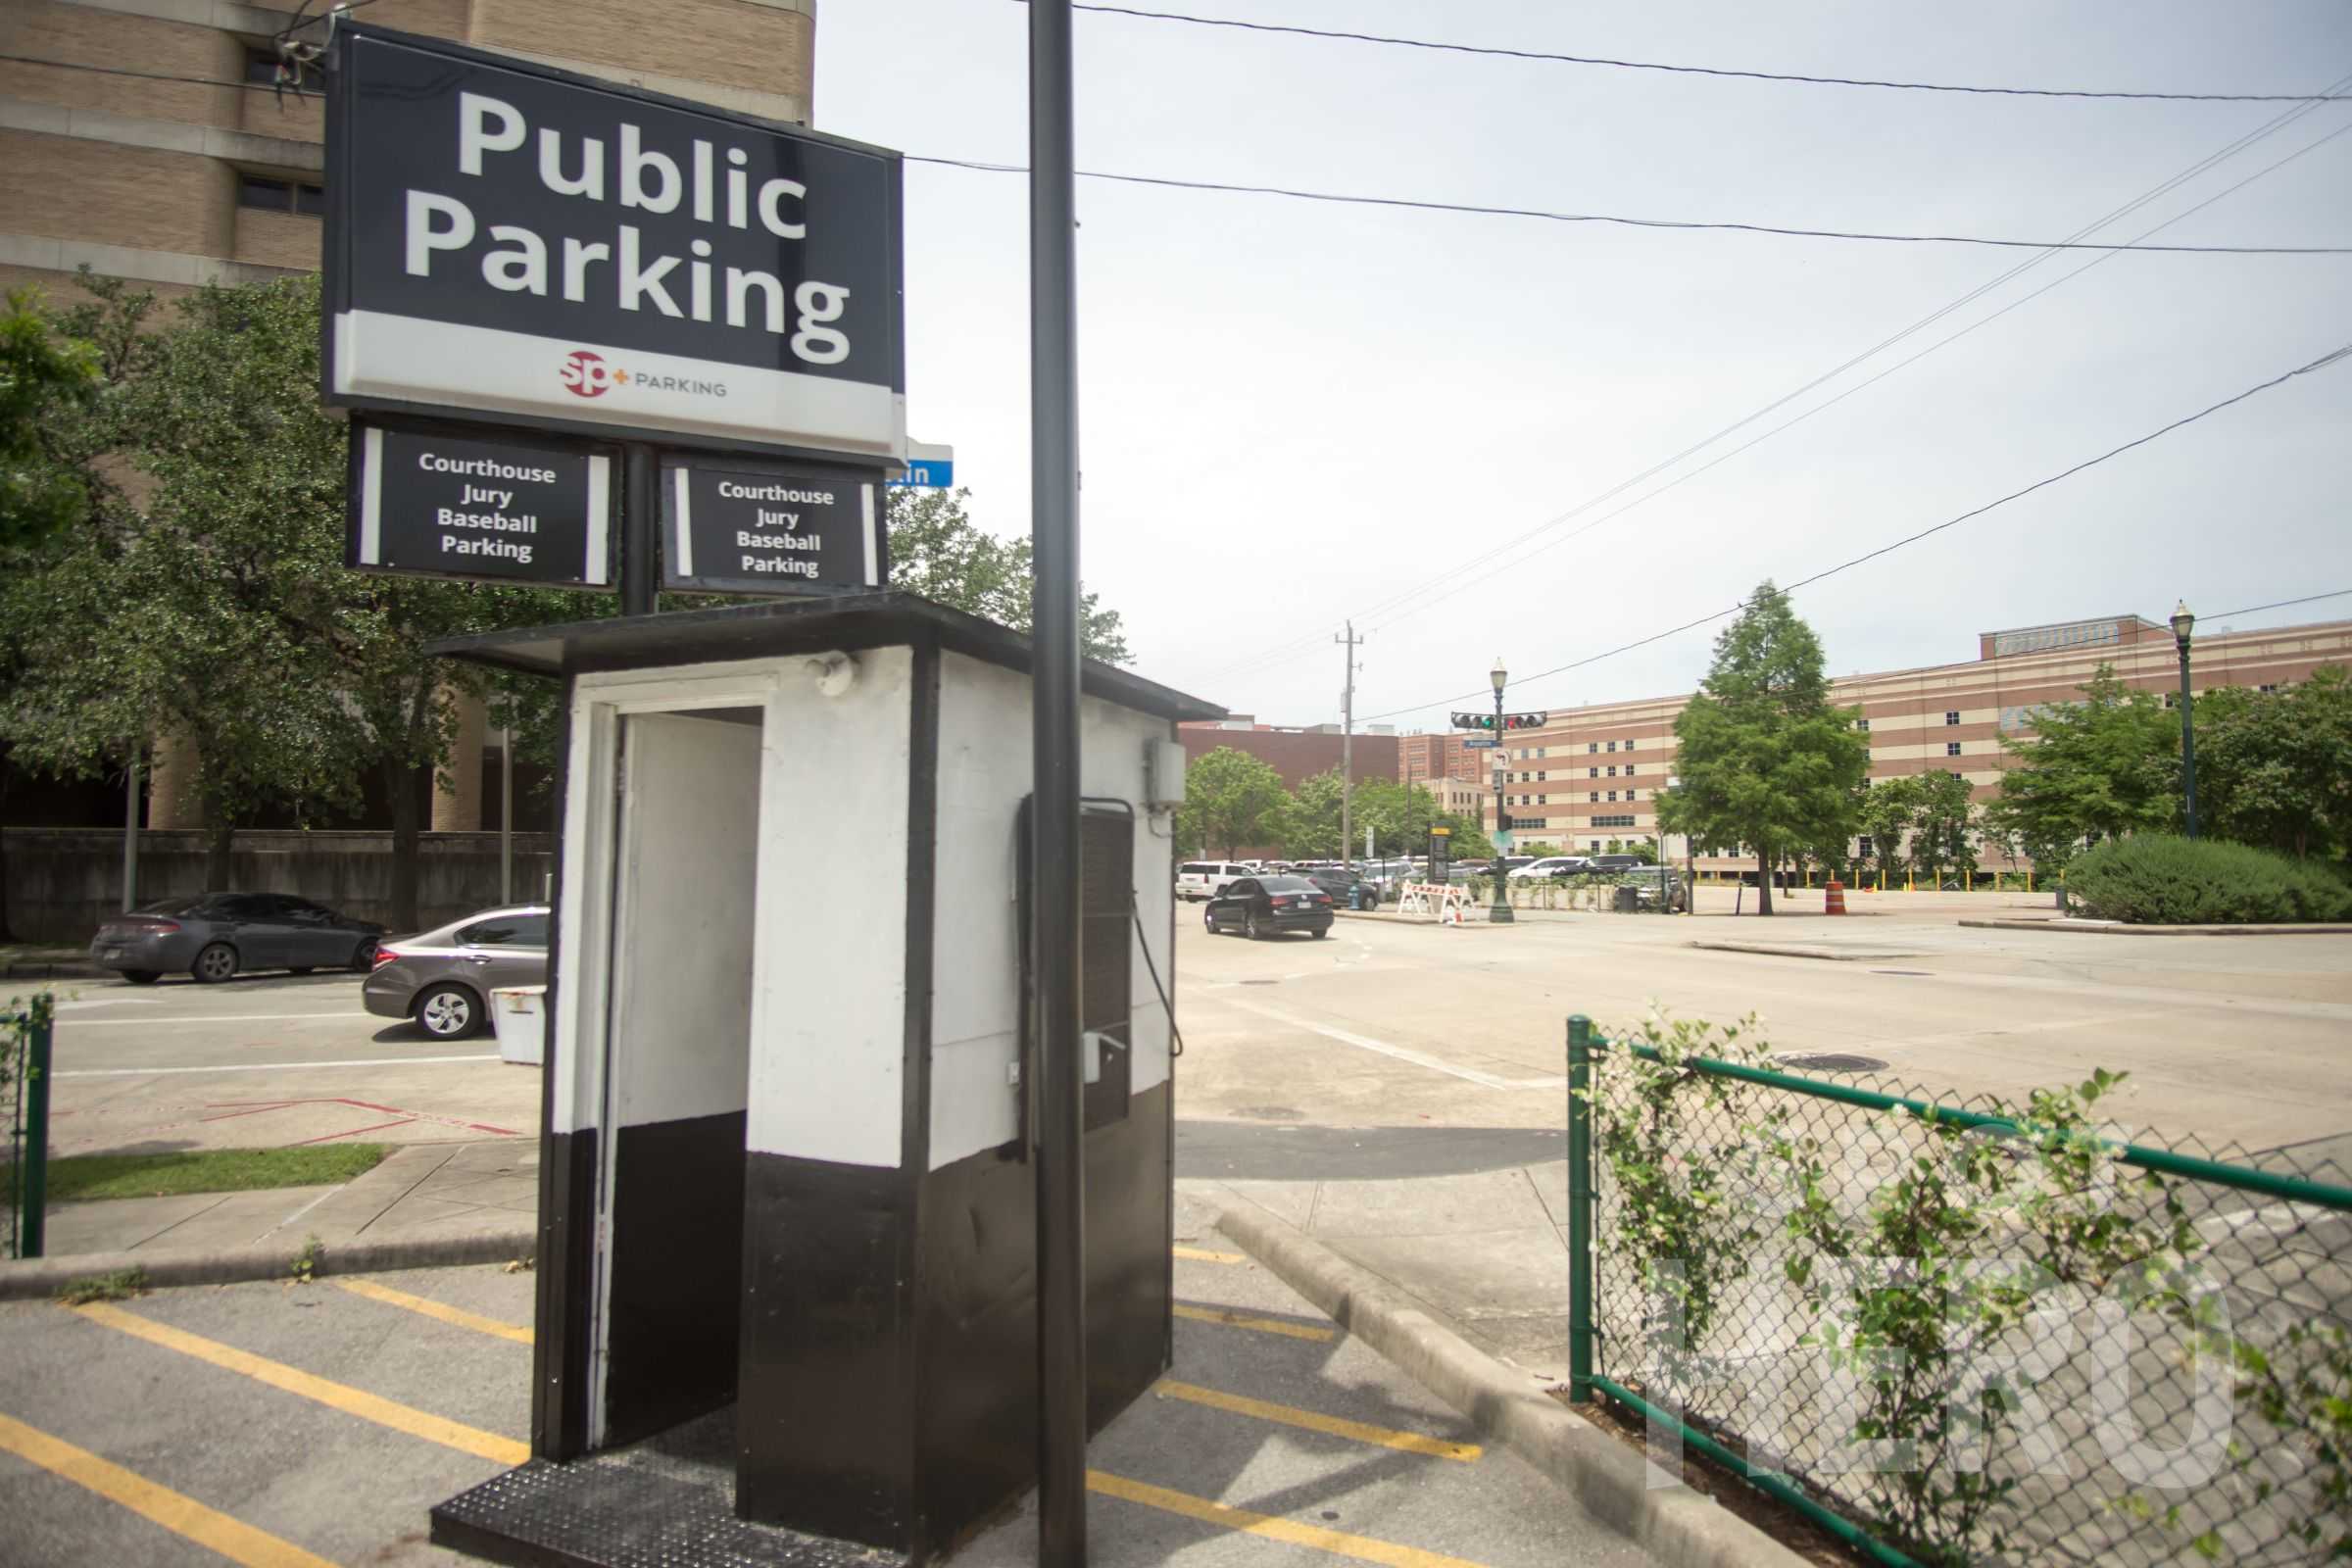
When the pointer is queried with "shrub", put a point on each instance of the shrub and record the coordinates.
(2158, 879)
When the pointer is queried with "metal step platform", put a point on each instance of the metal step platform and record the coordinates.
(666, 1502)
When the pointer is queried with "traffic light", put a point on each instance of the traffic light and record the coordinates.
(1473, 720)
(1525, 720)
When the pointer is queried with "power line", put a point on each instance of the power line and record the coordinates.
(1689, 71)
(143, 75)
(2321, 363)
(2281, 604)
(1426, 585)
(1619, 219)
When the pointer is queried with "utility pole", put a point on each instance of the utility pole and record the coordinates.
(1352, 642)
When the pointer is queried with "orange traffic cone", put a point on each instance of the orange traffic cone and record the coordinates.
(1836, 903)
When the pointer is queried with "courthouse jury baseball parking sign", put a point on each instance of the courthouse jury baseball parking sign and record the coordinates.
(436, 504)
(517, 243)
(735, 530)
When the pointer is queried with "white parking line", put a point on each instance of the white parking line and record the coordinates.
(1485, 1080)
(218, 1017)
(267, 1066)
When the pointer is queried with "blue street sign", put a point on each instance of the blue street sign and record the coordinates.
(928, 473)
(1481, 742)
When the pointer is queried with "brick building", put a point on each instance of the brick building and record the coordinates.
(1594, 773)
(146, 140)
(1297, 754)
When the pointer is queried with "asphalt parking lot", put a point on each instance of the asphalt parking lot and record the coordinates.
(284, 1426)
(267, 1061)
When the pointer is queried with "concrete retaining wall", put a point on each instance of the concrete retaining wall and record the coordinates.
(61, 882)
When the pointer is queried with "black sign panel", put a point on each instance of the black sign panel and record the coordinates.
(538, 247)
(745, 530)
(428, 502)
(1441, 854)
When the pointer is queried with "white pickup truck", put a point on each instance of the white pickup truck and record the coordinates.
(1205, 879)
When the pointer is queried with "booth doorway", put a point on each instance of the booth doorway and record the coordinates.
(682, 888)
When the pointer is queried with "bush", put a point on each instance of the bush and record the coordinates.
(2157, 879)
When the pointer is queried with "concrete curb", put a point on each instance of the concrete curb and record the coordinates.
(39, 1278)
(40, 969)
(2120, 928)
(1680, 1527)
(1796, 950)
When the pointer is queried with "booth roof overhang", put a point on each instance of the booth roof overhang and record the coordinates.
(843, 622)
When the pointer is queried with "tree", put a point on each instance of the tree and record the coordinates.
(2275, 769)
(936, 551)
(1884, 814)
(1943, 826)
(1765, 760)
(2099, 768)
(1230, 799)
(44, 374)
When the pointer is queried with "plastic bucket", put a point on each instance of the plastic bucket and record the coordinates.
(519, 1017)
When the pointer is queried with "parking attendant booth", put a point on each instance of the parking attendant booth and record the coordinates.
(787, 1263)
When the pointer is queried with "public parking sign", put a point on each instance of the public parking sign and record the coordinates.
(537, 248)
(734, 529)
(428, 501)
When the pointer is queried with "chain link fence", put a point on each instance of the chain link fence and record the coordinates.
(1963, 1332)
(24, 1039)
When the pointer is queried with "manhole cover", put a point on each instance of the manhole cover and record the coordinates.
(1921, 974)
(1272, 1113)
(1834, 1061)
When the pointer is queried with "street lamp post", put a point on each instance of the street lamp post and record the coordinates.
(1499, 910)
(2183, 622)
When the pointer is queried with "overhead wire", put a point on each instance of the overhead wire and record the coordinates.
(1425, 585)
(1623, 220)
(2334, 357)
(1552, 57)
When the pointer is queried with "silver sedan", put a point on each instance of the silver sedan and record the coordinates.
(443, 978)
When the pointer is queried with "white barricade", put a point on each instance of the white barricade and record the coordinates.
(1450, 904)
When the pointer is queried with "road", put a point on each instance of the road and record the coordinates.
(2236, 1040)
(266, 1059)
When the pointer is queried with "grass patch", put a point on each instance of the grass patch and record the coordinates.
(119, 1286)
(80, 1177)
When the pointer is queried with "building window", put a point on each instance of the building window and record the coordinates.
(1633, 795)
(1951, 715)
(1542, 775)
(281, 195)
(1951, 748)
(2267, 688)
(1612, 746)
(1596, 795)
(1612, 796)
(1592, 746)
(1862, 724)
(1865, 850)
(1628, 746)
(1592, 772)
(1629, 770)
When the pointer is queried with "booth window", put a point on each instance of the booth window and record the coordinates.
(281, 195)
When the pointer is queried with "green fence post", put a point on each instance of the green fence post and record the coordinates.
(1579, 1211)
(32, 1175)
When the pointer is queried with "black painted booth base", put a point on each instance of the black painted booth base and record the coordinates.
(666, 1502)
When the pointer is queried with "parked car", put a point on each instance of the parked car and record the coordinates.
(1260, 907)
(1336, 882)
(1654, 885)
(1535, 869)
(1205, 879)
(1565, 867)
(1610, 864)
(443, 978)
(216, 935)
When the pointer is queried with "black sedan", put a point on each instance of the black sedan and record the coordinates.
(1260, 907)
(1336, 880)
(216, 935)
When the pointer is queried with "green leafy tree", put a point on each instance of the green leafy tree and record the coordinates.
(1765, 760)
(936, 551)
(2098, 768)
(45, 376)
(1944, 825)
(2275, 769)
(1230, 799)
(1884, 814)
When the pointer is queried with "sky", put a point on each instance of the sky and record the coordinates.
(1294, 413)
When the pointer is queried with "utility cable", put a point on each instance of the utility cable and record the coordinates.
(2325, 361)
(1710, 226)
(143, 75)
(2279, 604)
(1424, 587)
(1549, 57)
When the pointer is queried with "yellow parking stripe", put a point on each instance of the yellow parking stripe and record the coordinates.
(440, 1310)
(1314, 1421)
(1242, 1320)
(1201, 1254)
(1361, 1547)
(215, 1532)
(337, 1395)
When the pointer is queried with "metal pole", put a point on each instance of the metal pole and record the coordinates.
(505, 813)
(1054, 732)
(32, 1176)
(641, 479)
(2189, 743)
(1499, 910)
(131, 833)
(1579, 1209)
(1347, 747)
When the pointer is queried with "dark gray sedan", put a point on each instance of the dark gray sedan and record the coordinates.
(443, 978)
(216, 935)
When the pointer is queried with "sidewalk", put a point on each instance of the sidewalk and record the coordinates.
(481, 1199)
(1486, 1253)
